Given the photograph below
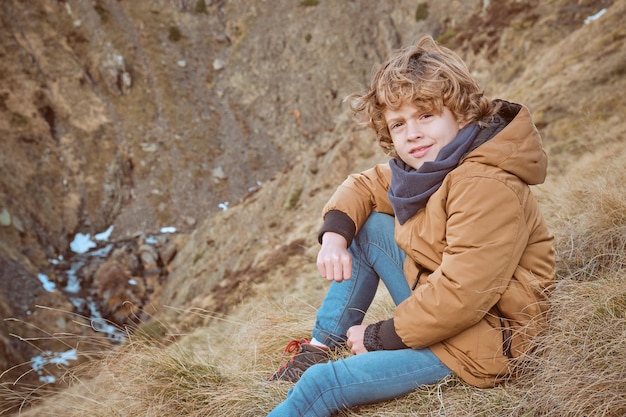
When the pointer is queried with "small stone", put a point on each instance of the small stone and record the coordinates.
(218, 64)
(5, 217)
(218, 173)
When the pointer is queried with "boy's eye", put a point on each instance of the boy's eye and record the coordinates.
(395, 125)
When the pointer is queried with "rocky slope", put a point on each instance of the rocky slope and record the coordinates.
(151, 114)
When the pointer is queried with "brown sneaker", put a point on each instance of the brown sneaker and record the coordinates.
(306, 355)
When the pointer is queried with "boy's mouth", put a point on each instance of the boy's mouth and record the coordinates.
(419, 151)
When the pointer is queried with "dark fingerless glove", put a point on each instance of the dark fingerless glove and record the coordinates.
(382, 336)
(371, 338)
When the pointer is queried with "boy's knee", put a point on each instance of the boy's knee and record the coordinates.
(317, 377)
(375, 222)
(312, 375)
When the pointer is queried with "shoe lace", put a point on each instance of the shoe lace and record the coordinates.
(294, 346)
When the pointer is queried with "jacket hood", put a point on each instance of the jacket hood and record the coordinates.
(512, 143)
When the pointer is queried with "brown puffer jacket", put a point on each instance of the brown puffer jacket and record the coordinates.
(483, 237)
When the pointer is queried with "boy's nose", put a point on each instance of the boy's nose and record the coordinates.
(413, 131)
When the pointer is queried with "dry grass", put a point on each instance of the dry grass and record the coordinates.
(587, 212)
(581, 371)
(220, 369)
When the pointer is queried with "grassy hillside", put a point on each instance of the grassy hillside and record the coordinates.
(220, 369)
(245, 282)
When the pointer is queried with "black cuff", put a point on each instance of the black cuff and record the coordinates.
(371, 340)
(338, 222)
(389, 337)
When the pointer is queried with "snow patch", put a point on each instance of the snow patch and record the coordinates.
(47, 284)
(54, 358)
(595, 16)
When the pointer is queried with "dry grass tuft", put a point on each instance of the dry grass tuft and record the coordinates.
(580, 370)
(587, 212)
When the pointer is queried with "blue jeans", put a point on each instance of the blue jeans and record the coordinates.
(373, 376)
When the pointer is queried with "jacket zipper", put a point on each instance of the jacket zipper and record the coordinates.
(507, 334)
(417, 278)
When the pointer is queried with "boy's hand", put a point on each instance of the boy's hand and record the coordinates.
(333, 260)
(356, 335)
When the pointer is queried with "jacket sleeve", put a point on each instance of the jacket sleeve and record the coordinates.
(361, 194)
(485, 237)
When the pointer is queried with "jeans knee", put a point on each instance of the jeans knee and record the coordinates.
(313, 378)
(375, 223)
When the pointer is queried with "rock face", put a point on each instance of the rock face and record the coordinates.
(150, 114)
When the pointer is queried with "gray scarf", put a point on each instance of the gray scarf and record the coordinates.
(410, 188)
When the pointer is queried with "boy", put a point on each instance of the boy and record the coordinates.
(451, 228)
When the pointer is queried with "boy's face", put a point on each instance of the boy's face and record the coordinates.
(418, 136)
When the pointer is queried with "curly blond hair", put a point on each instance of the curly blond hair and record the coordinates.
(428, 76)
